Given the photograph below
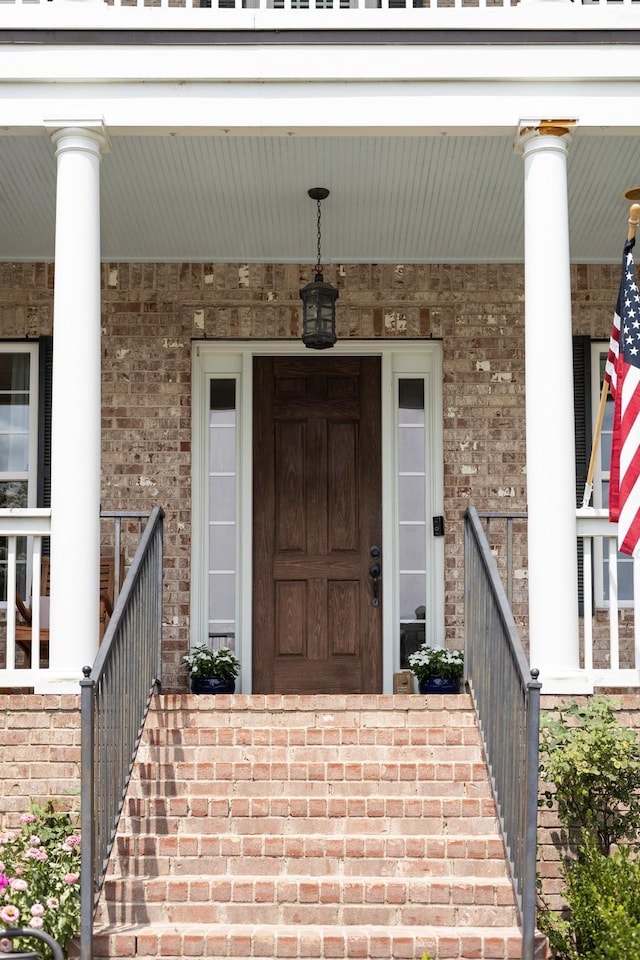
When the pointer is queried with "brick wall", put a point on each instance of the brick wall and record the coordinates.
(40, 749)
(152, 312)
(549, 854)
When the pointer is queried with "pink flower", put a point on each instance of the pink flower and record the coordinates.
(28, 818)
(35, 841)
(52, 903)
(5, 945)
(10, 915)
(35, 853)
(71, 842)
(4, 880)
(18, 884)
(37, 910)
(36, 922)
(71, 878)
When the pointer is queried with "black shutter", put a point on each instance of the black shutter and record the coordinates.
(583, 437)
(45, 370)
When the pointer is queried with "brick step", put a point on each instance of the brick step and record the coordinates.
(474, 901)
(217, 770)
(178, 799)
(298, 854)
(317, 942)
(337, 758)
(317, 808)
(325, 826)
(450, 729)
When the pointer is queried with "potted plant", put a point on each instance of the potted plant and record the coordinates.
(212, 671)
(437, 669)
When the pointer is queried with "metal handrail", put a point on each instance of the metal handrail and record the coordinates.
(114, 700)
(506, 696)
(12, 933)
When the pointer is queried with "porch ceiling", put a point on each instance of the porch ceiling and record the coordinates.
(243, 198)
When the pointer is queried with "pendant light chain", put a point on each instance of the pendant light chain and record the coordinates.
(319, 264)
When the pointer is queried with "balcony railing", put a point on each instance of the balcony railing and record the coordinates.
(24, 542)
(297, 15)
(611, 628)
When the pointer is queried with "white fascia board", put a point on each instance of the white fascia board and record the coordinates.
(364, 109)
(257, 62)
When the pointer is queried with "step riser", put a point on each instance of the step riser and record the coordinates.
(250, 912)
(219, 771)
(240, 866)
(284, 944)
(177, 795)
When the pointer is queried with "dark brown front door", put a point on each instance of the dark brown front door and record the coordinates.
(317, 514)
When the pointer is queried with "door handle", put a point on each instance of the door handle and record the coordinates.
(374, 573)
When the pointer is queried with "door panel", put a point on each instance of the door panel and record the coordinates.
(317, 513)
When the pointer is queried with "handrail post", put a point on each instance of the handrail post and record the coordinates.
(531, 818)
(87, 686)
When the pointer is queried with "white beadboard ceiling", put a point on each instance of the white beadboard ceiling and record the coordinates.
(393, 199)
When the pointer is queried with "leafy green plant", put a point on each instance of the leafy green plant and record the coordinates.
(429, 662)
(40, 878)
(603, 895)
(204, 664)
(594, 763)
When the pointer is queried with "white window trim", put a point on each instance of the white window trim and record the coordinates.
(416, 358)
(31, 474)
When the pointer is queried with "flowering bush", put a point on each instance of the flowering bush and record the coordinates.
(203, 664)
(40, 878)
(429, 662)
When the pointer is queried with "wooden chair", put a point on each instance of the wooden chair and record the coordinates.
(24, 617)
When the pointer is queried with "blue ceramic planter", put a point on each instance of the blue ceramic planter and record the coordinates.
(439, 685)
(212, 685)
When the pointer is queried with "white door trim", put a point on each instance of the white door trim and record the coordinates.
(416, 357)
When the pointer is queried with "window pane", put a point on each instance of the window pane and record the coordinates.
(411, 400)
(222, 498)
(413, 547)
(222, 401)
(14, 372)
(411, 493)
(411, 449)
(222, 546)
(222, 596)
(412, 596)
(13, 493)
(222, 453)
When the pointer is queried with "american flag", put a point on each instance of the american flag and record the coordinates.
(624, 382)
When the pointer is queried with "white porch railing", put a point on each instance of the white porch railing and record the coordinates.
(599, 538)
(302, 15)
(18, 525)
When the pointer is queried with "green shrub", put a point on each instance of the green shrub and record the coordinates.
(603, 895)
(594, 763)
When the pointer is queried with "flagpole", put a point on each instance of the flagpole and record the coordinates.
(634, 219)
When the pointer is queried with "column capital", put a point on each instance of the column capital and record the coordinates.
(548, 132)
(79, 134)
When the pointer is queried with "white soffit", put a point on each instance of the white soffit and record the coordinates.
(393, 199)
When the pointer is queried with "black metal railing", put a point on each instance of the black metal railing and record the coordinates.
(506, 696)
(115, 698)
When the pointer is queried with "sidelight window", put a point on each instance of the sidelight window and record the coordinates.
(223, 513)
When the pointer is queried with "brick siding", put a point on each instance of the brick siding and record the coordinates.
(40, 748)
(152, 312)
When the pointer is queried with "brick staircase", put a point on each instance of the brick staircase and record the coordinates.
(309, 827)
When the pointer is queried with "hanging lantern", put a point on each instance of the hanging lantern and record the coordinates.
(319, 298)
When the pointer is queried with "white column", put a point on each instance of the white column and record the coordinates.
(75, 418)
(550, 444)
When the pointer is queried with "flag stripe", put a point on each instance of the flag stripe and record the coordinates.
(622, 371)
